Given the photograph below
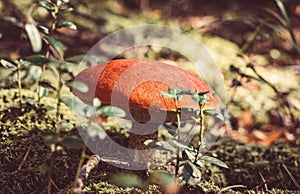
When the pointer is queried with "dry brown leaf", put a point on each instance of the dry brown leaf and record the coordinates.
(246, 120)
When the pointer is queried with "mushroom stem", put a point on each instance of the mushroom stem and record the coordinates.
(138, 137)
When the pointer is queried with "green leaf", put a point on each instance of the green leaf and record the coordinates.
(96, 102)
(277, 16)
(34, 73)
(77, 85)
(72, 142)
(50, 108)
(166, 95)
(187, 92)
(76, 58)
(8, 64)
(191, 173)
(187, 172)
(282, 9)
(10, 19)
(213, 112)
(214, 161)
(178, 144)
(66, 10)
(43, 92)
(44, 29)
(76, 106)
(65, 126)
(34, 37)
(66, 24)
(127, 180)
(37, 59)
(170, 129)
(203, 93)
(89, 111)
(67, 101)
(57, 45)
(45, 4)
(53, 69)
(178, 96)
(200, 99)
(190, 155)
(50, 139)
(67, 67)
(31, 101)
(174, 91)
(196, 97)
(167, 146)
(111, 111)
(96, 130)
(273, 27)
(46, 84)
(200, 163)
(153, 143)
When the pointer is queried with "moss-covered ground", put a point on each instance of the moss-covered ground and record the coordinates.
(27, 128)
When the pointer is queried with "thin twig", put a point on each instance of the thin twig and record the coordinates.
(231, 187)
(265, 182)
(25, 127)
(84, 173)
(24, 159)
(53, 183)
(281, 96)
(78, 183)
(251, 38)
(188, 134)
(291, 176)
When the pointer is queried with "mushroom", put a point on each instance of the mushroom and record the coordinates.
(135, 86)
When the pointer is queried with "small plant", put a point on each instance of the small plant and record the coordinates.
(190, 156)
(16, 68)
(49, 55)
(94, 130)
(284, 19)
(283, 98)
(285, 110)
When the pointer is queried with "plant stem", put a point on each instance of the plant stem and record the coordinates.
(50, 170)
(201, 131)
(251, 38)
(47, 55)
(83, 171)
(58, 97)
(178, 137)
(287, 24)
(19, 81)
(201, 117)
(281, 96)
(82, 157)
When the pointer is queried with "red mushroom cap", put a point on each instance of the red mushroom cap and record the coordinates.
(135, 86)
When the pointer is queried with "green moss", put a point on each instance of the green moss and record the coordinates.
(104, 187)
(26, 127)
(247, 162)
